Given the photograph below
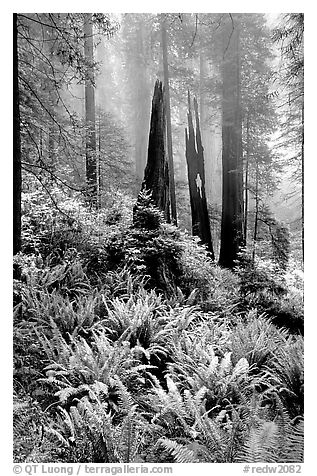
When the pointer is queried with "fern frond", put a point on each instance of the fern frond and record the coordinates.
(180, 453)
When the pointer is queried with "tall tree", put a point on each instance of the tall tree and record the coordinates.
(17, 174)
(232, 193)
(51, 61)
(136, 58)
(290, 36)
(211, 137)
(91, 154)
(196, 179)
(258, 118)
(168, 118)
(246, 181)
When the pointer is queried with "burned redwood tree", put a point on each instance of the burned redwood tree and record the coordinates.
(156, 175)
(158, 248)
(196, 179)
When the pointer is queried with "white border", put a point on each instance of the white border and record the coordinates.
(310, 186)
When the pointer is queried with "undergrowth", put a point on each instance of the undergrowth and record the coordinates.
(131, 345)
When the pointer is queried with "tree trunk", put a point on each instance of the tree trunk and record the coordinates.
(206, 128)
(256, 215)
(168, 120)
(17, 174)
(141, 98)
(196, 180)
(51, 149)
(232, 192)
(302, 145)
(99, 178)
(156, 176)
(246, 194)
(91, 158)
(238, 127)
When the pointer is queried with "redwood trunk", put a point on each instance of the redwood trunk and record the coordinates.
(232, 192)
(156, 176)
(256, 215)
(196, 180)
(246, 194)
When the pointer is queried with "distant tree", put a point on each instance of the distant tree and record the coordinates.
(168, 118)
(91, 155)
(196, 179)
(290, 36)
(259, 120)
(115, 169)
(51, 60)
(136, 57)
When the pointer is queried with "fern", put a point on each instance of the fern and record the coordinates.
(278, 441)
(257, 340)
(287, 375)
(189, 432)
(195, 365)
(181, 453)
(90, 433)
(260, 445)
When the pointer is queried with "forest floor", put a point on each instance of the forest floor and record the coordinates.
(131, 345)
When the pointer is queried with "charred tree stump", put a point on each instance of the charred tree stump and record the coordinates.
(196, 179)
(156, 174)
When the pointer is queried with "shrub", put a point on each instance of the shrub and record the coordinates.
(97, 235)
(29, 440)
(152, 247)
(264, 286)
